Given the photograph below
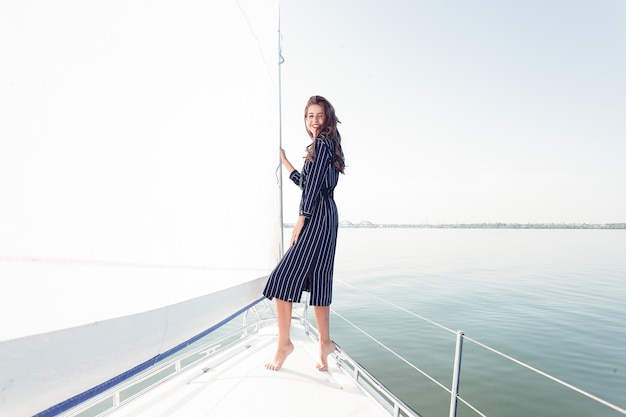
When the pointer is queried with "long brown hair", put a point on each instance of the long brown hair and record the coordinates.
(328, 130)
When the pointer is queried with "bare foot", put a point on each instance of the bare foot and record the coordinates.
(325, 350)
(279, 357)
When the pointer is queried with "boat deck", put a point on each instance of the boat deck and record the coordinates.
(236, 383)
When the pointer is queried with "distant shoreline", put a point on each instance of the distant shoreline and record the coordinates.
(369, 225)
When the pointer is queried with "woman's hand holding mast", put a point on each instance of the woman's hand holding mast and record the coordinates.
(285, 161)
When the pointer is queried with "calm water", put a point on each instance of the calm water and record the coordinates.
(554, 299)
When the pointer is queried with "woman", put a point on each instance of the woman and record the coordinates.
(308, 263)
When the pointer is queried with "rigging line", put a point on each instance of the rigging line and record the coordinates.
(546, 375)
(258, 43)
(281, 58)
(392, 351)
(398, 307)
(276, 173)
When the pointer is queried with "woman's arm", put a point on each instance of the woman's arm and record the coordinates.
(285, 161)
(311, 187)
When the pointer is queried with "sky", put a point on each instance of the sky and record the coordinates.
(134, 136)
(464, 111)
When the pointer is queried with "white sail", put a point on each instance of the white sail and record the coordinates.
(138, 148)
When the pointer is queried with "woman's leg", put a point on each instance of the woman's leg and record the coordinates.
(327, 346)
(285, 347)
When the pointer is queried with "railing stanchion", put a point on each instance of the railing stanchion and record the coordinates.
(305, 318)
(454, 392)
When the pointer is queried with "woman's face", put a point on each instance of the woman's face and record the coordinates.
(314, 119)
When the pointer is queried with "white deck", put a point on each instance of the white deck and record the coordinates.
(240, 386)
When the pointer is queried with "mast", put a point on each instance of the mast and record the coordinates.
(281, 249)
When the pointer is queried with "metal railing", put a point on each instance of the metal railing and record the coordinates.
(370, 384)
(460, 337)
(218, 350)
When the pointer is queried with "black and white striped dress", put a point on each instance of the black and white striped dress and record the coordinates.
(308, 265)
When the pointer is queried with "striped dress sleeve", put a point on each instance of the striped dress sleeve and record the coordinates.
(296, 177)
(312, 184)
